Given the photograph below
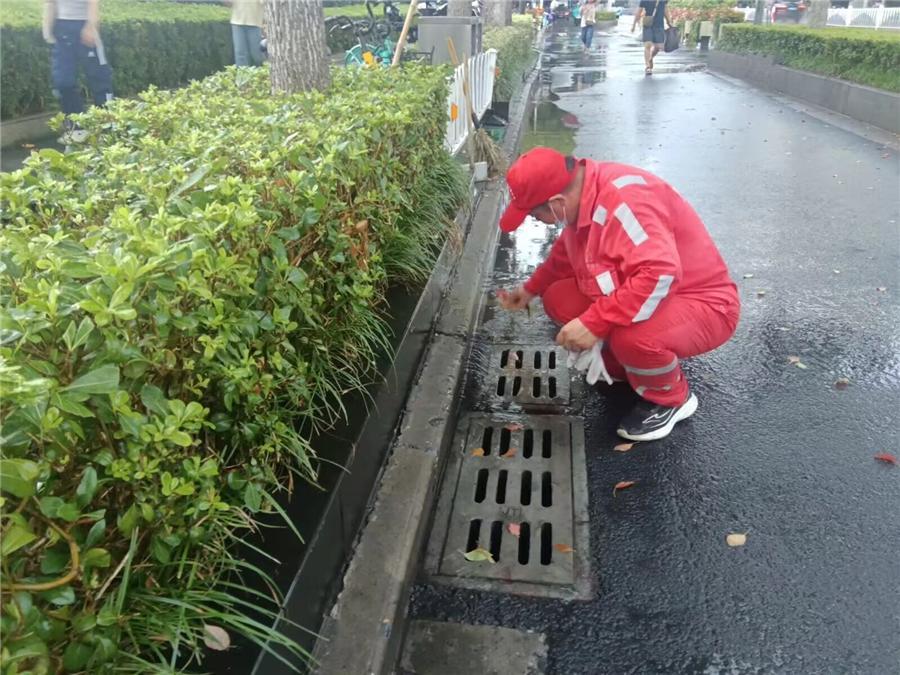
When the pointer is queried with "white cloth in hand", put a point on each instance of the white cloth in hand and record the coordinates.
(590, 360)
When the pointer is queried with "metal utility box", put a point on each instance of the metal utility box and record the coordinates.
(465, 31)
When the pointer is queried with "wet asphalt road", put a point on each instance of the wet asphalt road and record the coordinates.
(810, 210)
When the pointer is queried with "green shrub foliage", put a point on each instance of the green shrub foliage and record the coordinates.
(515, 55)
(859, 55)
(182, 304)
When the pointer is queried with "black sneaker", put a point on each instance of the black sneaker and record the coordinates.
(650, 422)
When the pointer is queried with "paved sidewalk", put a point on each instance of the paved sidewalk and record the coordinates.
(806, 215)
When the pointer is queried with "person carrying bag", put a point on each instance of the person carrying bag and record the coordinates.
(651, 15)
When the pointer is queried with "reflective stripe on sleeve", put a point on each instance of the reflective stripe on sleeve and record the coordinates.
(599, 216)
(622, 181)
(630, 224)
(652, 302)
(606, 283)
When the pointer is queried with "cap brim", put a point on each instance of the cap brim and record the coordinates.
(512, 218)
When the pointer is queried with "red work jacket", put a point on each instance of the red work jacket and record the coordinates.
(637, 242)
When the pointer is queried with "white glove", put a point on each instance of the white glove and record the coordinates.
(590, 360)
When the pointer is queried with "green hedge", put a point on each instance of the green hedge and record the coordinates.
(859, 55)
(147, 43)
(515, 55)
(182, 304)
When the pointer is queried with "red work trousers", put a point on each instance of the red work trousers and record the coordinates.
(647, 353)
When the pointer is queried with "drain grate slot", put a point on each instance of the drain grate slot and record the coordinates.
(528, 376)
(517, 501)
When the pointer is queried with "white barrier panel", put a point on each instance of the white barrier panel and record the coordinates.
(481, 84)
(868, 17)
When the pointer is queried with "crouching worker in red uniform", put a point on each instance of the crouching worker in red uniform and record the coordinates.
(634, 267)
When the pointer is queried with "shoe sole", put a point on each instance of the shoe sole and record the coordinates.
(688, 409)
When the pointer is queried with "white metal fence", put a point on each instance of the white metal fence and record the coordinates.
(868, 17)
(481, 88)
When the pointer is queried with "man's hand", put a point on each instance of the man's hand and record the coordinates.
(516, 299)
(89, 35)
(575, 336)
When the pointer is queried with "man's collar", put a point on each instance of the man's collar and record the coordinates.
(588, 193)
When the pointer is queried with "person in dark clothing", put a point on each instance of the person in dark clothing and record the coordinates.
(73, 28)
(651, 14)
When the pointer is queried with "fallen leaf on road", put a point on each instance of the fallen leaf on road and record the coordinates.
(514, 529)
(479, 555)
(836, 271)
(841, 383)
(28, 146)
(760, 294)
(514, 427)
(216, 638)
(478, 452)
(623, 447)
(882, 289)
(886, 457)
(510, 453)
(563, 548)
(748, 276)
(622, 485)
(734, 539)
(795, 360)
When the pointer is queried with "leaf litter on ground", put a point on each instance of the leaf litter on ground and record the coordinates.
(478, 452)
(623, 485)
(841, 383)
(479, 555)
(624, 447)
(216, 638)
(509, 453)
(736, 539)
(887, 458)
(795, 360)
(514, 529)
(515, 426)
(563, 548)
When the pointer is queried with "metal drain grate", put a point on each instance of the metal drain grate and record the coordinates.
(530, 375)
(528, 473)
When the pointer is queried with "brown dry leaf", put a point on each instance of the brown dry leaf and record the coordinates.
(795, 360)
(623, 447)
(623, 485)
(886, 457)
(28, 146)
(479, 555)
(509, 453)
(736, 539)
(841, 383)
(514, 427)
(514, 529)
(478, 452)
(563, 548)
(216, 638)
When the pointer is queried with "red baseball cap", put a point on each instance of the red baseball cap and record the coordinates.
(533, 179)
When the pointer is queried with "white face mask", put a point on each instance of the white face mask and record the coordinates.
(560, 222)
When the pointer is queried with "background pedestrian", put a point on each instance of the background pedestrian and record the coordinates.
(246, 31)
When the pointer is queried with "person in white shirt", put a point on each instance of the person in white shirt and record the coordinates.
(246, 31)
(588, 19)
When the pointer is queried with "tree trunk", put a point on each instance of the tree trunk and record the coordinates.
(459, 8)
(498, 12)
(296, 42)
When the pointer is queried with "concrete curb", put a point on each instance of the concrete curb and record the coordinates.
(364, 631)
(866, 104)
(24, 129)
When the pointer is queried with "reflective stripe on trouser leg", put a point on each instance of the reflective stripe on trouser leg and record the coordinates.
(669, 389)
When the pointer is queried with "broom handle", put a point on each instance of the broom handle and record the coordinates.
(401, 41)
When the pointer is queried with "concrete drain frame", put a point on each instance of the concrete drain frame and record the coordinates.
(532, 475)
(529, 375)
